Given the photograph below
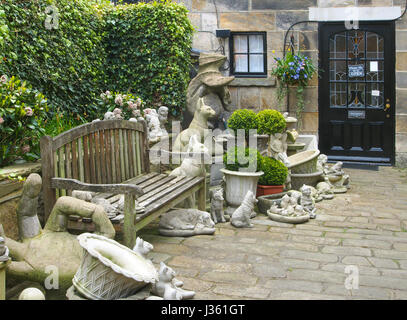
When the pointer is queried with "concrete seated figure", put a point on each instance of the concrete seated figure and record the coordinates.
(52, 246)
(153, 123)
(163, 117)
(337, 177)
(307, 202)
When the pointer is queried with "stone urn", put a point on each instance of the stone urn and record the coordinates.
(238, 183)
(111, 271)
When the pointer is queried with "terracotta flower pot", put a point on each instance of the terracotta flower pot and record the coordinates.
(267, 190)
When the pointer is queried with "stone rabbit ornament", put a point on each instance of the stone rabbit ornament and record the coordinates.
(241, 217)
(142, 247)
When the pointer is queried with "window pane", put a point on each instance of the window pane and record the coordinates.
(256, 63)
(240, 44)
(256, 43)
(241, 63)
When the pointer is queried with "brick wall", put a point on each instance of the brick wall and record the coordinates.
(275, 17)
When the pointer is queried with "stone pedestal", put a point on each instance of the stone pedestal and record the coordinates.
(3, 267)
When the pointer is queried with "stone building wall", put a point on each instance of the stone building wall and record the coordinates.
(275, 17)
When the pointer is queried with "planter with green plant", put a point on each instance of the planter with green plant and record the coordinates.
(243, 119)
(274, 177)
(293, 70)
(272, 124)
(241, 175)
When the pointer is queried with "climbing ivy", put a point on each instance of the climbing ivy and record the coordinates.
(94, 46)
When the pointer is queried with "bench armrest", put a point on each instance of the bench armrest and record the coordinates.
(73, 184)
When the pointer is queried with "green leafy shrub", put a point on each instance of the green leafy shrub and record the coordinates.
(22, 111)
(142, 48)
(126, 104)
(242, 158)
(275, 172)
(270, 122)
(243, 119)
(148, 49)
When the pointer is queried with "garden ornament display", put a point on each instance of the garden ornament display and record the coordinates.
(288, 210)
(338, 178)
(53, 245)
(241, 217)
(186, 223)
(198, 126)
(217, 211)
(167, 288)
(142, 247)
(278, 147)
(325, 189)
(211, 85)
(307, 202)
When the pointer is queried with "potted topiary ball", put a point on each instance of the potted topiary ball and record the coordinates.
(241, 175)
(271, 123)
(274, 177)
(243, 119)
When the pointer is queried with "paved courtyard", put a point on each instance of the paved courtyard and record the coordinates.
(366, 227)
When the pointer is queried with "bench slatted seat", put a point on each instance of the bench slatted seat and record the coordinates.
(112, 158)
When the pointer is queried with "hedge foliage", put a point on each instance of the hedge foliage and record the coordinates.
(270, 122)
(243, 119)
(275, 172)
(242, 159)
(141, 48)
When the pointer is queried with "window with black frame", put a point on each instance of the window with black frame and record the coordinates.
(248, 52)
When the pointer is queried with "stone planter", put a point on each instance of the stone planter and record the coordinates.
(292, 220)
(109, 270)
(238, 183)
(268, 190)
(304, 162)
(310, 179)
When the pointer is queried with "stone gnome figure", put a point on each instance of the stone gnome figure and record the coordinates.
(28, 223)
(211, 85)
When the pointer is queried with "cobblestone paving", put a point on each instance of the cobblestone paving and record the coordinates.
(366, 227)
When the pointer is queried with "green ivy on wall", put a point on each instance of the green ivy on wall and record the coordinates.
(91, 46)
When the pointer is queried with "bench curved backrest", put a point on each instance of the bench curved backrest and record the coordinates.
(101, 152)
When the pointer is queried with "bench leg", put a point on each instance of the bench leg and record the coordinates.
(129, 232)
(202, 197)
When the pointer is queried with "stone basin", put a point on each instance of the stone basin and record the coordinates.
(304, 162)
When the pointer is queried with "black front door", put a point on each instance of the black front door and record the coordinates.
(357, 92)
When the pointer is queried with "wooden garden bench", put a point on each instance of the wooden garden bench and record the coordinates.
(112, 158)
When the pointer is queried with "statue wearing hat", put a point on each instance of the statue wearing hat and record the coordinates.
(212, 86)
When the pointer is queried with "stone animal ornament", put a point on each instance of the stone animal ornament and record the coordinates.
(111, 210)
(211, 85)
(53, 245)
(198, 126)
(289, 206)
(241, 217)
(307, 202)
(325, 189)
(217, 211)
(192, 166)
(82, 195)
(186, 223)
(166, 288)
(142, 247)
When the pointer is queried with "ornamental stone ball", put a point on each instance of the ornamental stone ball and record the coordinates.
(31, 294)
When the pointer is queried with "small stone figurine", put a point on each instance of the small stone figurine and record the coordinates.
(217, 212)
(163, 117)
(307, 202)
(241, 217)
(3, 251)
(153, 123)
(142, 247)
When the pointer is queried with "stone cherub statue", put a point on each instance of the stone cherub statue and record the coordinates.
(217, 211)
(278, 147)
(154, 127)
(211, 85)
(307, 202)
(198, 127)
(52, 245)
(163, 117)
(241, 217)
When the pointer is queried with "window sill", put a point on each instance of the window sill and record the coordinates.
(254, 82)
